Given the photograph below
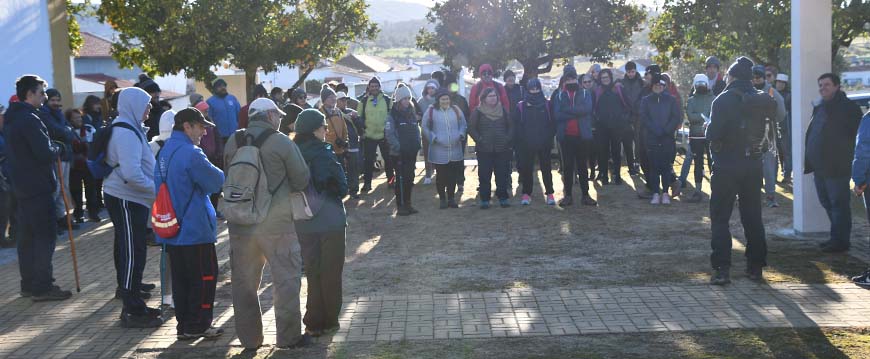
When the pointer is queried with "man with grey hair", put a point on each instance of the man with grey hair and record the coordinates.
(274, 240)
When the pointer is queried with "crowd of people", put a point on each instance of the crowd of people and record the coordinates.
(278, 171)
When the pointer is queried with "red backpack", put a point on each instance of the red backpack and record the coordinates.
(163, 218)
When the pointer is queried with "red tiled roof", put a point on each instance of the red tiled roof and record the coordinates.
(102, 78)
(95, 46)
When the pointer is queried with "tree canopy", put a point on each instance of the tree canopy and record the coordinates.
(760, 30)
(535, 33)
(168, 36)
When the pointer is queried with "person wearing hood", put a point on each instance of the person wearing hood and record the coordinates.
(737, 173)
(660, 114)
(445, 127)
(223, 109)
(167, 120)
(129, 193)
(403, 136)
(274, 240)
(698, 112)
(573, 108)
(32, 155)
(614, 127)
(153, 89)
(784, 144)
(375, 108)
(58, 129)
(80, 179)
(861, 176)
(336, 129)
(535, 128)
(427, 99)
(830, 148)
(486, 81)
(259, 92)
(632, 86)
(769, 158)
(297, 101)
(323, 236)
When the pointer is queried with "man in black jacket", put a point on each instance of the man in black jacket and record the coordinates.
(737, 173)
(830, 147)
(32, 157)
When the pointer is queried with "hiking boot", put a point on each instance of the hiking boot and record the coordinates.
(53, 294)
(754, 273)
(588, 201)
(403, 211)
(656, 199)
(567, 201)
(551, 201)
(835, 247)
(451, 203)
(484, 204)
(209, 333)
(696, 197)
(427, 180)
(303, 342)
(666, 199)
(504, 203)
(770, 202)
(140, 321)
(721, 276)
(526, 200)
(443, 203)
(862, 280)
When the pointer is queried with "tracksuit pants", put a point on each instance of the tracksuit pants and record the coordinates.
(129, 220)
(194, 279)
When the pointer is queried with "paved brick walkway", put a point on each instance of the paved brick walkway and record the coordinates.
(86, 326)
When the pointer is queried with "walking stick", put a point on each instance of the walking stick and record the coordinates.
(72, 243)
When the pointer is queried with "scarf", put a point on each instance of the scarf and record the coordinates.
(493, 113)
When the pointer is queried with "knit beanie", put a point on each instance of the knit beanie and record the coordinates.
(569, 71)
(657, 79)
(758, 70)
(741, 68)
(712, 61)
(218, 82)
(654, 69)
(309, 120)
(533, 84)
(325, 92)
(195, 98)
(630, 66)
(402, 92)
(701, 79)
(441, 92)
(52, 93)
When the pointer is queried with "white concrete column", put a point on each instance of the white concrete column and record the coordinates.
(811, 26)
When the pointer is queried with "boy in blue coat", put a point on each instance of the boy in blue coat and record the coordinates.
(191, 178)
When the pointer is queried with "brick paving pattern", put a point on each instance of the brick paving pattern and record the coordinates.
(87, 325)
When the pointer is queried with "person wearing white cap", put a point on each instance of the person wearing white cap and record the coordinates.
(784, 143)
(698, 112)
(274, 240)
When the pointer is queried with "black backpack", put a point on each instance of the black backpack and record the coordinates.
(758, 123)
(97, 150)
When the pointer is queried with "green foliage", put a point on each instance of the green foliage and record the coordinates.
(535, 33)
(75, 37)
(759, 29)
(168, 36)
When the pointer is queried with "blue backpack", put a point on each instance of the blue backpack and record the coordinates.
(97, 164)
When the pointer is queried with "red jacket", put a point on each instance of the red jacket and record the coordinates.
(477, 89)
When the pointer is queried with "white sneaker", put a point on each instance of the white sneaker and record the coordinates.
(656, 199)
(427, 180)
(666, 199)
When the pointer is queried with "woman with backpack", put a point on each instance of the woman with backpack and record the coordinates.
(444, 128)
(323, 236)
(536, 128)
(404, 139)
(492, 132)
(614, 127)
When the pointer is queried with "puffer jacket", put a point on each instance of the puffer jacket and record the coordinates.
(660, 115)
(579, 107)
(696, 106)
(491, 135)
(444, 129)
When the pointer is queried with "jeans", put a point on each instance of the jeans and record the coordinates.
(661, 157)
(405, 166)
(448, 176)
(59, 204)
(643, 155)
(694, 155)
(575, 151)
(352, 166)
(834, 195)
(527, 169)
(82, 180)
(769, 163)
(323, 257)
(193, 286)
(370, 154)
(128, 220)
(500, 163)
(727, 185)
(612, 142)
(36, 235)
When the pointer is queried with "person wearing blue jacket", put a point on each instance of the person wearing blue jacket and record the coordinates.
(31, 155)
(861, 176)
(190, 179)
(573, 108)
(660, 115)
(52, 115)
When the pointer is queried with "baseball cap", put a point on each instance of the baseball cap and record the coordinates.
(191, 114)
(262, 105)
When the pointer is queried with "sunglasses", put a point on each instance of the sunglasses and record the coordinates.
(587, 81)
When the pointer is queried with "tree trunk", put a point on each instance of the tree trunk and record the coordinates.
(532, 67)
(301, 80)
(250, 82)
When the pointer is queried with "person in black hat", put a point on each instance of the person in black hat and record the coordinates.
(736, 173)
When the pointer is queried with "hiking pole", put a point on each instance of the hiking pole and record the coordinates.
(72, 243)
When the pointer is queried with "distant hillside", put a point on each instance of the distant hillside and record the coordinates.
(393, 11)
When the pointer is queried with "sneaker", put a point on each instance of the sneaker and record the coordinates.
(755, 273)
(567, 201)
(666, 199)
(551, 201)
(53, 294)
(721, 276)
(526, 200)
(862, 280)
(656, 199)
(209, 333)
(140, 321)
(771, 202)
(504, 203)
(588, 201)
(427, 180)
